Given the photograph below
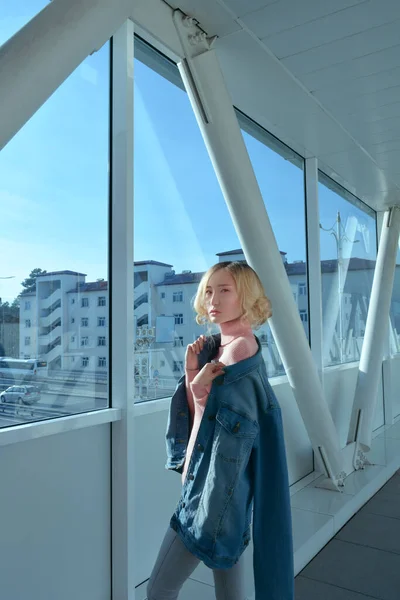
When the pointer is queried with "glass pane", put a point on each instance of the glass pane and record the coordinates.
(394, 322)
(53, 281)
(182, 225)
(348, 258)
(280, 176)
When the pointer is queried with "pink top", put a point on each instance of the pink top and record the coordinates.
(237, 343)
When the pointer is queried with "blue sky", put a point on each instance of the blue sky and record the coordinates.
(54, 181)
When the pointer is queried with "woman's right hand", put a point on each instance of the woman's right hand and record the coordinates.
(192, 352)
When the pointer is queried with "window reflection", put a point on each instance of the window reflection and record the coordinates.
(348, 258)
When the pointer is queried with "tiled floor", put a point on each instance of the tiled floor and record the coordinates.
(363, 559)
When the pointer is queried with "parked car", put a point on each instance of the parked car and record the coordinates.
(21, 394)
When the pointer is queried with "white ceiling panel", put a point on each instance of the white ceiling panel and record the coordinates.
(362, 85)
(350, 100)
(213, 17)
(279, 99)
(383, 199)
(382, 136)
(352, 70)
(351, 164)
(376, 114)
(349, 21)
(345, 49)
(364, 129)
(383, 147)
(287, 14)
(241, 7)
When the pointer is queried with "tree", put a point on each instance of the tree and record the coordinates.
(29, 284)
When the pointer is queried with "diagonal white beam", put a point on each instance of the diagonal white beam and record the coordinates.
(376, 330)
(213, 108)
(41, 55)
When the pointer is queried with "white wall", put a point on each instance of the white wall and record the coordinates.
(55, 517)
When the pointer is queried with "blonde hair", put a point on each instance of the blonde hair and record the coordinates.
(255, 304)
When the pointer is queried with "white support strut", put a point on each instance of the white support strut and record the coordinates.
(41, 55)
(376, 329)
(213, 108)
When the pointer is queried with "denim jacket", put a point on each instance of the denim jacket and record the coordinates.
(238, 466)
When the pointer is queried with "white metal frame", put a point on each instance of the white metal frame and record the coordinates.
(121, 277)
(314, 263)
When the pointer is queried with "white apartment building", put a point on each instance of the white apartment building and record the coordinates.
(65, 321)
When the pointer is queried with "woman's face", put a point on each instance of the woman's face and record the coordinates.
(221, 298)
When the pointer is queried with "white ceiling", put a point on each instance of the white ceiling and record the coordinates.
(322, 75)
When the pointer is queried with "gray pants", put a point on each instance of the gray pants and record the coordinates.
(175, 564)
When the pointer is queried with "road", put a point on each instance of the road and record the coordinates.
(51, 405)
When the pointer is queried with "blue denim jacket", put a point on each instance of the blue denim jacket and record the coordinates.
(238, 464)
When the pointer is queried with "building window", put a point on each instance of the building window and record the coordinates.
(178, 366)
(101, 321)
(73, 338)
(27, 323)
(304, 316)
(177, 297)
(85, 361)
(72, 320)
(162, 363)
(85, 302)
(27, 341)
(101, 340)
(101, 301)
(85, 341)
(73, 301)
(84, 322)
(178, 319)
(302, 289)
(27, 305)
(178, 341)
(102, 361)
(162, 295)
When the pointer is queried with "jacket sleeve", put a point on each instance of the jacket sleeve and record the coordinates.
(178, 428)
(272, 526)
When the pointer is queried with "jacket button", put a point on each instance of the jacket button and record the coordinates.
(211, 417)
(190, 476)
(246, 542)
(200, 447)
(183, 504)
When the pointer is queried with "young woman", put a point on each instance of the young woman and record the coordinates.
(225, 437)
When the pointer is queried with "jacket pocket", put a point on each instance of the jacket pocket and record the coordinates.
(234, 434)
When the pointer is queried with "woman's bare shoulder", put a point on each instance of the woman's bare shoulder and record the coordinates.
(243, 347)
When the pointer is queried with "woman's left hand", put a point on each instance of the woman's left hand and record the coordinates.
(208, 373)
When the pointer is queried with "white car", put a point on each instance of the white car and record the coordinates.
(21, 394)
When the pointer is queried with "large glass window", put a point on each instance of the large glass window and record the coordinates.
(54, 199)
(394, 324)
(280, 176)
(182, 225)
(348, 258)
